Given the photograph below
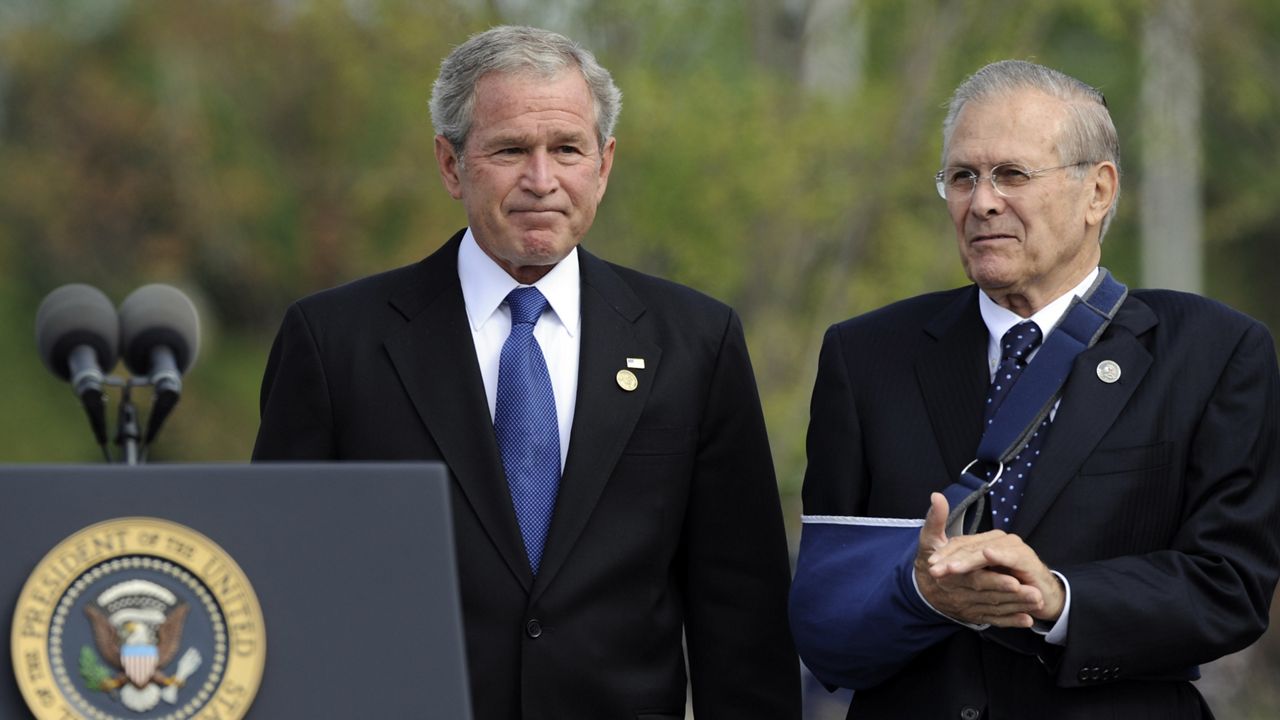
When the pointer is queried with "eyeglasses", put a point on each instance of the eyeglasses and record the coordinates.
(956, 184)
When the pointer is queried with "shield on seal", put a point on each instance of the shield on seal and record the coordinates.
(139, 662)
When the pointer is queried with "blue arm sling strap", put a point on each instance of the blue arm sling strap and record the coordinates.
(1033, 396)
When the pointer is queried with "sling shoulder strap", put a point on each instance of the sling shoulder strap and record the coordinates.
(1033, 396)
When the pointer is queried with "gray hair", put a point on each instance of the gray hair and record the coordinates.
(1089, 136)
(515, 49)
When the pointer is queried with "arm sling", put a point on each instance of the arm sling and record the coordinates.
(855, 612)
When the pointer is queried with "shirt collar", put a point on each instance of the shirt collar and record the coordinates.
(999, 320)
(485, 286)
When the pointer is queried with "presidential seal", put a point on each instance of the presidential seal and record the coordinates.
(138, 619)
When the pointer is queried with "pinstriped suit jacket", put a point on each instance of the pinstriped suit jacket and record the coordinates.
(1157, 496)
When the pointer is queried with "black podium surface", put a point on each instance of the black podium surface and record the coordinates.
(352, 564)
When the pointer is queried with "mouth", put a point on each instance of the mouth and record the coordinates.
(536, 218)
(990, 237)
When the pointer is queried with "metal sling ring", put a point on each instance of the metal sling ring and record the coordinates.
(990, 483)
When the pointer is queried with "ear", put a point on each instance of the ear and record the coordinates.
(1105, 182)
(606, 164)
(450, 167)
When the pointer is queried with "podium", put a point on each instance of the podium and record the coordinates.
(167, 591)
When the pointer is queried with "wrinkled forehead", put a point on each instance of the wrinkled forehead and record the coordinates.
(1021, 126)
(532, 85)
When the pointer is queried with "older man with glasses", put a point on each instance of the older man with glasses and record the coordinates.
(1113, 453)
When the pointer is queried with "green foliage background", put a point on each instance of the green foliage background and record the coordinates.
(253, 152)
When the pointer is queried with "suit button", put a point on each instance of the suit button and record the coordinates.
(970, 713)
(534, 628)
(1083, 675)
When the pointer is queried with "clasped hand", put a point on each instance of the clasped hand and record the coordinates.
(992, 578)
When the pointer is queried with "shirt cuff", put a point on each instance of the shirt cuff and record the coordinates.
(1055, 634)
(979, 628)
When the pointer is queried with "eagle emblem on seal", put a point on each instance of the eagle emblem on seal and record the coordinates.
(137, 627)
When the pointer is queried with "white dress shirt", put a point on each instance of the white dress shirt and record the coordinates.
(485, 286)
(999, 320)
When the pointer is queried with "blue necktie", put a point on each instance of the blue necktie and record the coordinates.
(524, 420)
(1016, 347)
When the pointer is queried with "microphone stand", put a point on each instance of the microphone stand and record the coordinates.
(128, 430)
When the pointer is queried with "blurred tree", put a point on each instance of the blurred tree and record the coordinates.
(1171, 204)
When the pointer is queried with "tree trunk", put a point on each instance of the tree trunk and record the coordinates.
(1172, 205)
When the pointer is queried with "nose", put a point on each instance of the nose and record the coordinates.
(539, 175)
(985, 201)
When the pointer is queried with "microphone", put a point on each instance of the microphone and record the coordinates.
(160, 336)
(78, 335)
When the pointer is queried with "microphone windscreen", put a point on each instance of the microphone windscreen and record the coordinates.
(75, 315)
(155, 315)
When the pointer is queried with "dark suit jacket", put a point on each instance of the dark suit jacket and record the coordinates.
(1157, 497)
(667, 519)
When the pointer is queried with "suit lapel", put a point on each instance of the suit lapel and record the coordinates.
(1088, 409)
(605, 414)
(435, 358)
(953, 379)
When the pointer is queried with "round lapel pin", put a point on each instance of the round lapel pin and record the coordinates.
(627, 380)
(1108, 371)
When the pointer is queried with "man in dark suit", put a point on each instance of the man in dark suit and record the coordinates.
(657, 520)
(1142, 536)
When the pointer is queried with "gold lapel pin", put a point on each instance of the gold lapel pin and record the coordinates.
(1108, 371)
(627, 380)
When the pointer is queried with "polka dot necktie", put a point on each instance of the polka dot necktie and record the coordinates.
(524, 421)
(1015, 348)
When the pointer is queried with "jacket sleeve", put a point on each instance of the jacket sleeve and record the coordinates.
(296, 414)
(742, 661)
